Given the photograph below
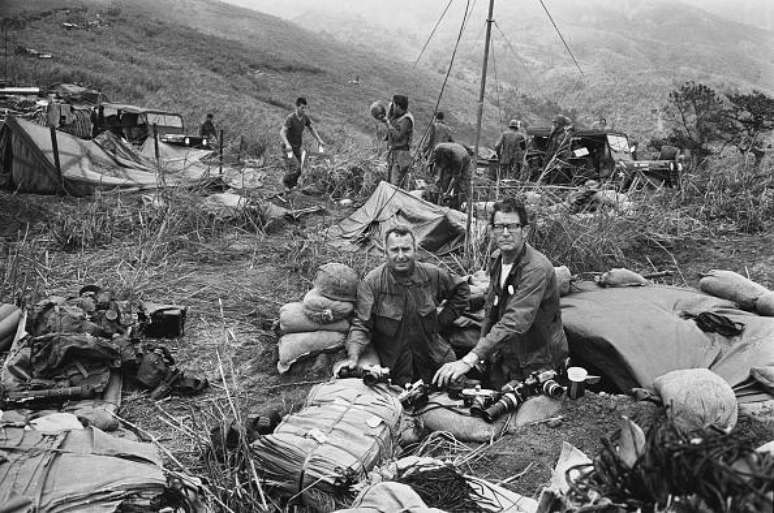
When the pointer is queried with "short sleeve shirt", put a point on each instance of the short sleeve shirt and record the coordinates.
(295, 126)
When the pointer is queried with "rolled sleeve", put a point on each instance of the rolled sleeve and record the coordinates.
(520, 312)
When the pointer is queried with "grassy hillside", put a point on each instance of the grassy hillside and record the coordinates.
(246, 67)
(632, 53)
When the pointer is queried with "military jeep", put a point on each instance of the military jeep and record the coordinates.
(589, 154)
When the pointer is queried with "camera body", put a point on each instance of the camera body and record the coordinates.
(414, 395)
(370, 375)
(478, 399)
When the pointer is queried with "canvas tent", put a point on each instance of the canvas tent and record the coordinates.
(437, 229)
(633, 335)
(27, 158)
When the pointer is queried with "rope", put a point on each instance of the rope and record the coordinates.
(567, 47)
(432, 33)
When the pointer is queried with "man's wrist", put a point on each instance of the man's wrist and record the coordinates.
(471, 359)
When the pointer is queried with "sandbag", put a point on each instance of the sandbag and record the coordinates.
(445, 414)
(323, 310)
(563, 279)
(389, 497)
(620, 277)
(735, 287)
(764, 376)
(343, 431)
(9, 322)
(294, 346)
(293, 320)
(696, 399)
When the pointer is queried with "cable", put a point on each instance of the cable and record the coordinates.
(446, 78)
(432, 33)
(561, 37)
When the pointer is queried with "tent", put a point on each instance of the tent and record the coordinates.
(437, 229)
(27, 157)
(633, 335)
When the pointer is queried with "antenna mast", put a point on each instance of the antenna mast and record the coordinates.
(479, 115)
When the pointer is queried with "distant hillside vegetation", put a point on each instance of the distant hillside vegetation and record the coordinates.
(632, 52)
(246, 67)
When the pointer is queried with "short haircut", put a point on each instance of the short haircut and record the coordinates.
(400, 230)
(401, 101)
(300, 101)
(509, 205)
(210, 116)
(439, 115)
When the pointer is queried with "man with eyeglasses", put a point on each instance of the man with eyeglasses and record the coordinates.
(522, 330)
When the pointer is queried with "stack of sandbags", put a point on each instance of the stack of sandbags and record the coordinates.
(735, 287)
(321, 321)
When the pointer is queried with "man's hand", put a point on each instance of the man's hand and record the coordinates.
(451, 372)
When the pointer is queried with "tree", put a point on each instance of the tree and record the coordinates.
(698, 118)
(752, 116)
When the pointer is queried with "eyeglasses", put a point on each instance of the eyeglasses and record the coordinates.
(511, 227)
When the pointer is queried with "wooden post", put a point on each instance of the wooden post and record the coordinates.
(57, 164)
(159, 175)
(241, 148)
(479, 115)
(221, 151)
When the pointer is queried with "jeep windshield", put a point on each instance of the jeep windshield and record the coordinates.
(619, 147)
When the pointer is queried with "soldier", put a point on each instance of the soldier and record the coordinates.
(510, 150)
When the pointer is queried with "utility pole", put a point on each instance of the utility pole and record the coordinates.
(479, 116)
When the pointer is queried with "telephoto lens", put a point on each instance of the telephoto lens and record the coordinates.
(552, 389)
(508, 402)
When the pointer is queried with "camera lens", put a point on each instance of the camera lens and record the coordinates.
(370, 379)
(552, 389)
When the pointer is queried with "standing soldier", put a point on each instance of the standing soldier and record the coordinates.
(400, 129)
(439, 133)
(207, 131)
(292, 137)
(510, 150)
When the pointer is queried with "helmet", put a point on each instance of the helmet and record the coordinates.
(515, 123)
(378, 109)
(337, 282)
(562, 120)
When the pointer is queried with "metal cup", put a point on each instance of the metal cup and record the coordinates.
(577, 377)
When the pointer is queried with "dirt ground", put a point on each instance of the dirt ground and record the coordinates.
(234, 288)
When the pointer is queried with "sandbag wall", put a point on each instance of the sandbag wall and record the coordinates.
(321, 321)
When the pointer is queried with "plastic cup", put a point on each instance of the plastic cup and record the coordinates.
(577, 377)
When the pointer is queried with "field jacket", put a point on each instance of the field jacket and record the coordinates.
(523, 322)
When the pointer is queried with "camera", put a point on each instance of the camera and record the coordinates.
(370, 375)
(414, 395)
(478, 399)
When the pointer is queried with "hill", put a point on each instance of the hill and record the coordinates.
(632, 53)
(247, 67)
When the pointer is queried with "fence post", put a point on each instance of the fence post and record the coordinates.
(159, 173)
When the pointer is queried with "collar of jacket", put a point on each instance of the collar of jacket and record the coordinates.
(418, 277)
(496, 268)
